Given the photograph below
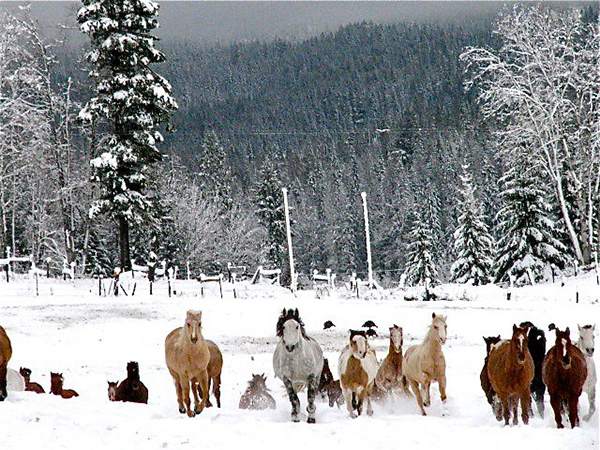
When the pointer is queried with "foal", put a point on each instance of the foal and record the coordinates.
(30, 386)
(56, 386)
(586, 345)
(564, 373)
(510, 369)
(389, 375)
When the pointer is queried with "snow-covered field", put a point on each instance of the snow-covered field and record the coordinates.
(68, 328)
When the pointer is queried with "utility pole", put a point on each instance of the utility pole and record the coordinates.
(368, 238)
(289, 240)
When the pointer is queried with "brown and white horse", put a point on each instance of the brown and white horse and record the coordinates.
(425, 363)
(357, 368)
(389, 375)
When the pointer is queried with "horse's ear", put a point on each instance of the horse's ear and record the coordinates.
(514, 327)
(568, 331)
(579, 328)
(593, 327)
(551, 327)
(433, 315)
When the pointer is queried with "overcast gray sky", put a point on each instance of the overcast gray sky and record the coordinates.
(241, 20)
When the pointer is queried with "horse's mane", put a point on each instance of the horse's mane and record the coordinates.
(588, 327)
(287, 315)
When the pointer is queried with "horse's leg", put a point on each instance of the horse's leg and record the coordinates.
(185, 391)
(573, 416)
(557, 407)
(294, 400)
(538, 397)
(369, 406)
(348, 395)
(442, 385)
(203, 379)
(591, 393)
(505, 399)
(525, 397)
(417, 391)
(311, 393)
(426, 392)
(3, 392)
(217, 390)
(195, 389)
(177, 383)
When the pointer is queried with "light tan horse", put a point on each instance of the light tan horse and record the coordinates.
(187, 357)
(425, 363)
(215, 366)
(389, 375)
(5, 354)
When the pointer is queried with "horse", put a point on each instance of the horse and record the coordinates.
(425, 363)
(586, 345)
(357, 368)
(490, 394)
(389, 375)
(564, 372)
(113, 396)
(5, 355)
(536, 342)
(215, 366)
(326, 378)
(334, 393)
(256, 396)
(30, 386)
(131, 389)
(297, 361)
(510, 370)
(187, 357)
(56, 386)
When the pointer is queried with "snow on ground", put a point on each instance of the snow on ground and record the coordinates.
(68, 328)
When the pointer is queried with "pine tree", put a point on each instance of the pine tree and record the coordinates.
(269, 200)
(213, 172)
(526, 230)
(131, 100)
(472, 242)
(420, 266)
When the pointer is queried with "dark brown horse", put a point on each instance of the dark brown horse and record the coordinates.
(30, 386)
(5, 354)
(564, 372)
(257, 395)
(131, 389)
(510, 370)
(490, 394)
(326, 378)
(56, 386)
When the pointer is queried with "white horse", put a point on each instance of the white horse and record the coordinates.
(297, 361)
(425, 363)
(586, 345)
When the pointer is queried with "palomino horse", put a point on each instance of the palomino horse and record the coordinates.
(490, 394)
(56, 386)
(215, 366)
(187, 357)
(5, 354)
(425, 363)
(564, 372)
(358, 368)
(257, 395)
(586, 345)
(297, 361)
(389, 375)
(511, 369)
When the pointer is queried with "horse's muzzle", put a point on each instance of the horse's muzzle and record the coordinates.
(590, 352)
(194, 340)
(290, 348)
(566, 362)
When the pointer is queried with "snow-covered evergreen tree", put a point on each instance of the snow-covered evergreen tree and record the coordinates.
(472, 242)
(526, 229)
(269, 200)
(131, 101)
(420, 266)
(213, 172)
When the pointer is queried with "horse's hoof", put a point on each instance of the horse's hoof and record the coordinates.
(208, 404)
(311, 420)
(182, 410)
(197, 410)
(191, 413)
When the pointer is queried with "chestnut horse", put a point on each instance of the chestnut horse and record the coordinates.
(564, 372)
(358, 368)
(56, 386)
(510, 370)
(30, 386)
(490, 394)
(425, 363)
(5, 354)
(187, 357)
(389, 375)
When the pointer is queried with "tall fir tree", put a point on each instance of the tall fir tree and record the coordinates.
(527, 232)
(473, 243)
(269, 201)
(420, 266)
(130, 100)
(213, 171)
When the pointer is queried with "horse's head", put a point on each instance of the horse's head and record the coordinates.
(56, 382)
(396, 338)
(258, 382)
(133, 370)
(358, 343)
(193, 325)
(489, 341)
(438, 324)
(112, 390)
(25, 373)
(586, 339)
(563, 345)
(290, 328)
(519, 340)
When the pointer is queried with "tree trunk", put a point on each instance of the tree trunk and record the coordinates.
(124, 244)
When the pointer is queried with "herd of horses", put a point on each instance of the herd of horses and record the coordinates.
(514, 371)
